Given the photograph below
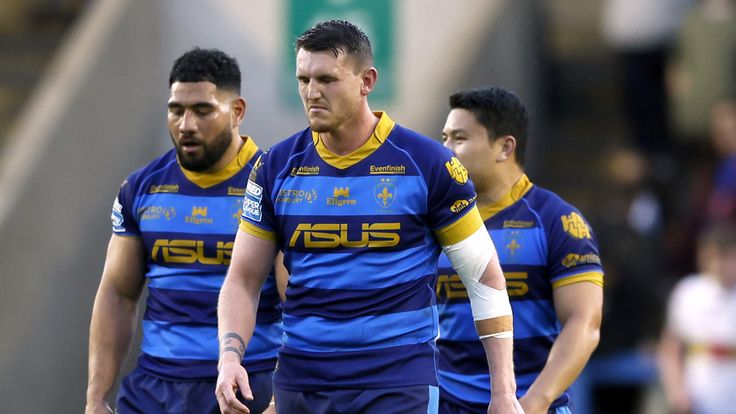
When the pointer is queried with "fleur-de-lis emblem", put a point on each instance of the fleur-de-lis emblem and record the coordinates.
(513, 246)
(385, 196)
(385, 193)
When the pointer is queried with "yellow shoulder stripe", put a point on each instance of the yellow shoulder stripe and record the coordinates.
(461, 229)
(254, 230)
(594, 277)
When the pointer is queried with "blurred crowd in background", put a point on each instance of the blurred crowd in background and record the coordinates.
(665, 174)
(670, 179)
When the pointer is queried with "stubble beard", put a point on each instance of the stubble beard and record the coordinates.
(212, 152)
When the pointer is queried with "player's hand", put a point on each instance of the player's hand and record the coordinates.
(533, 405)
(231, 378)
(505, 404)
(101, 407)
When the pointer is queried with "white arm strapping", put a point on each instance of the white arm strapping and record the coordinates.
(470, 258)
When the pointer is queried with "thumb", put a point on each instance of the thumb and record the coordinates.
(244, 386)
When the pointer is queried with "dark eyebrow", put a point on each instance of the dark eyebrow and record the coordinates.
(196, 105)
(455, 131)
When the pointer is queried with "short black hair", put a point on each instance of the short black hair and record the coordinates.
(207, 65)
(499, 111)
(337, 36)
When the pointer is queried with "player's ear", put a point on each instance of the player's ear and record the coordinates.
(369, 78)
(507, 145)
(237, 109)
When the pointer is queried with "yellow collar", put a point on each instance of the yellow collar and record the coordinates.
(383, 129)
(518, 190)
(206, 180)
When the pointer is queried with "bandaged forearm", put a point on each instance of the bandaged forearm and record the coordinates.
(491, 307)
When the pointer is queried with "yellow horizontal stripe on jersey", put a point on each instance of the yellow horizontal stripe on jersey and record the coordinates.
(594, 277)
(461, 229)
(254, 230)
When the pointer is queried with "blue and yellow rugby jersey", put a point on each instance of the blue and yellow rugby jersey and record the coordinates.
(361, 237)
(187, 222)
(543, 243)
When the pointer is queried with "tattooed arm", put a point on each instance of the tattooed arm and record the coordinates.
(252, 259)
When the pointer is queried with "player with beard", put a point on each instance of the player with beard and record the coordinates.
(173, 223)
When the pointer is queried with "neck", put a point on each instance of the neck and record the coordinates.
(490, 191)
(352, 134)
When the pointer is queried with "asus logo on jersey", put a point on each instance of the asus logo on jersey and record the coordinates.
(332, 235)
(190, 251)
(451, 287)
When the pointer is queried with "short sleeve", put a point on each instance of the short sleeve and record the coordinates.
(123, 218)
(451, 203)
(258, 217)
(573, 249)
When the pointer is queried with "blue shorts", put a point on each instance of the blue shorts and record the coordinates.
(143, 393)
(450, 407)
(419, 399)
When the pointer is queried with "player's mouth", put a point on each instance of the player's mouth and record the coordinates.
(317, 108)
(190, 145)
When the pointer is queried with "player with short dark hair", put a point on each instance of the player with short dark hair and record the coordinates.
(549, 256)
(338, 36)
(361, 208)
(207, 65)
(173, 225)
